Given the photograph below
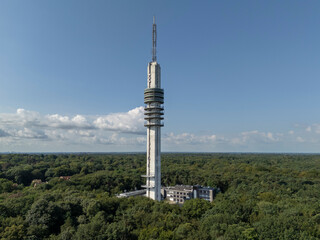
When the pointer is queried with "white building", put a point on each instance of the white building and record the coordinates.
(181, 193)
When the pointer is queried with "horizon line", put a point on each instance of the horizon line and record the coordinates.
(167, 152)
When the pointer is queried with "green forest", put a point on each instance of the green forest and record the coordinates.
(263, 196)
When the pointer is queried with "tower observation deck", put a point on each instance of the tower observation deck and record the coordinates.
(153, 98)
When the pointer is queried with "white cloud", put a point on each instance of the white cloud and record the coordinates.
(188, 138)
(65, 122)
(4, 133)
(313, 128)
(22, 126)
(131, 121)
(31, 131)
(316, 128)
(256, 136)
(300, 139)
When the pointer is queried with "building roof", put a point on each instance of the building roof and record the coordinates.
(180, 188)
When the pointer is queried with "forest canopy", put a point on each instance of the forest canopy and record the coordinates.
(73, 196)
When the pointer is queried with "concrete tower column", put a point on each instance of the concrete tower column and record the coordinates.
(153, 98)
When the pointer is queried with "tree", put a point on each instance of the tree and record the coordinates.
(46, 214)
(5, 185)
(195, 208)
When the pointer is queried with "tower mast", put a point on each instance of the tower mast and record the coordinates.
(154, 40)
(153, 98)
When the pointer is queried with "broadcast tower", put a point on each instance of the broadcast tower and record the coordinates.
(153, 98)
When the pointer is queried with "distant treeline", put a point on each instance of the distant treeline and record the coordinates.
(72, 196)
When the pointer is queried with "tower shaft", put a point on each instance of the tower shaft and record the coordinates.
(153, 98)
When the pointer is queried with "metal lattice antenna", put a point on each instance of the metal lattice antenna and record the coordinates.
(154, 40)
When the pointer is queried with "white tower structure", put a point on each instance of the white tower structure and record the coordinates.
(153, 98)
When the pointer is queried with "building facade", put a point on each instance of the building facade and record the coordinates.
(181, 193)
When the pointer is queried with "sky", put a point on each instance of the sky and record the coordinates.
(238, 76)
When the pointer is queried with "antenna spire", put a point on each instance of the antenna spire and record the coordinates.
(154, 40)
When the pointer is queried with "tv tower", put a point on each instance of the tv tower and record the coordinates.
(153, 98)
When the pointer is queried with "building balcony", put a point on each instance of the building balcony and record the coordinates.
(153, 124)
(151, 108)
(153, 95)
(153, 117)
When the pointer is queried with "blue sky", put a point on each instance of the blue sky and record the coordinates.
(238, 75)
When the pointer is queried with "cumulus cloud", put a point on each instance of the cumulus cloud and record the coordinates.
(256, 137)
(4, 133)
(65, 122)
(308, 129)
(189, 138)
(316, 128)
(26, 125)
(29, 133)
(261, 136)
(124, 131)
(313, 128)
(131, 121)
(300, 139)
